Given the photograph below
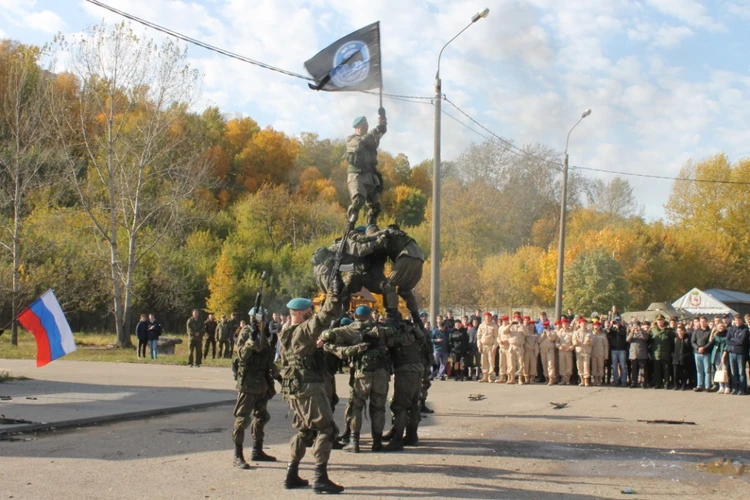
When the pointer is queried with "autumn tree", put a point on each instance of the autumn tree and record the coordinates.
(25, 152)
(614, 198)
(128, 154)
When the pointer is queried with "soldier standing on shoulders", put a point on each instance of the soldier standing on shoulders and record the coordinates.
(303, 386)
(195, 334)
(255, 375)
(363, 179)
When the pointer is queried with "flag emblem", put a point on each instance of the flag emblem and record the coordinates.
(351, 64)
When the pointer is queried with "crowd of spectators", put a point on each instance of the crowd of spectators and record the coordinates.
(705, 354)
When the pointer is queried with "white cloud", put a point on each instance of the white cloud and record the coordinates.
(671, 36)
(45, 20)
(691, 12)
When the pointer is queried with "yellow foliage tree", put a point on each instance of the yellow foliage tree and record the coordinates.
(222, 285)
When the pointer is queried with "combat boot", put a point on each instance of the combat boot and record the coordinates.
(377, 442)
(423, 408)
(322, 484)
(293, 480)
(411, 438)
(258, 455)
(396, 444)
(239, 458)
(344, 438)
(353, 445)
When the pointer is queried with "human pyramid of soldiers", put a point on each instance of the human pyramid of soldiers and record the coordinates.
(313, 346)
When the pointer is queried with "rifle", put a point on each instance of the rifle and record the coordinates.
(338, 256)
(258, 316)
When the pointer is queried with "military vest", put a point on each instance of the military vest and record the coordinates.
(401, 243)
(407, 355)
(360, 158)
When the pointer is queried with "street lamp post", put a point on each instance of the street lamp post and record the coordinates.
(563, 211)
(435, 247)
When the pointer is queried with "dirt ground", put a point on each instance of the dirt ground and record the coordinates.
(511, 444)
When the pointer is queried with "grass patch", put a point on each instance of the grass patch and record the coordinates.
(95, 347)
(7, 377)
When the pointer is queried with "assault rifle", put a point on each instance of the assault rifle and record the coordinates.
(337, 258)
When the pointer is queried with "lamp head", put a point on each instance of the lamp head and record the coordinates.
(479, 15)
(585, 114)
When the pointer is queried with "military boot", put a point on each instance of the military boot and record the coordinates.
(258, 455)
(353, 445)
(239, 458)
(292, 477)
(411, 438)
(387, 435)
(396, 444)
(344, 438)
(423, 407)
(322, 484)
(377, 441)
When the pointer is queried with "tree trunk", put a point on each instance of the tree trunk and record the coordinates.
(16, 264)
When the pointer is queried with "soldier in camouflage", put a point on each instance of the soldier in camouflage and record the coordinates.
(255, 377)
(195, 335)
(303, 371)
(407, 259)
(363, 179)
(364, 344)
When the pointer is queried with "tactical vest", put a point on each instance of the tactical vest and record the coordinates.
(407, 355)
(373, 359)
(253, 368)
(359, 158)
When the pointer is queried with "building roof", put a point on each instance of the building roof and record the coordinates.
(729, 296)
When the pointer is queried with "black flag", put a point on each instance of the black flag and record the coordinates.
(351, 63)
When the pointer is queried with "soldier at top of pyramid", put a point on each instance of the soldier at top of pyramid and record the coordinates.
(363, 179)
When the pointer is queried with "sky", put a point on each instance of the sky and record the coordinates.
(667, 81)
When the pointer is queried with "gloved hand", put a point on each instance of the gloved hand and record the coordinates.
(381, 112)
(355, 349)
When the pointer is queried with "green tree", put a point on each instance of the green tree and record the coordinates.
(593, 282)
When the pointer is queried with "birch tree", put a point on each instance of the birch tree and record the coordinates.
(131, 156)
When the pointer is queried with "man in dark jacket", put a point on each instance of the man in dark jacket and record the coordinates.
(154, 332)
(141, 331)
(618, 346)
(738, 338)
(662, 342)
(701, 342)
(680, 358)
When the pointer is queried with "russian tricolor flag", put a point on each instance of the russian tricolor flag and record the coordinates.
(46, 321)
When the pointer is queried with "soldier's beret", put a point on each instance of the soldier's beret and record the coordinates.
(360, 229)
(359, 120)
(527, 317)
(299, 304)
(546, 323)
(489, 314)
(505, 318)
(362, 311)
(423, 314)
(371, 225)
(597, 322)
(345, 321)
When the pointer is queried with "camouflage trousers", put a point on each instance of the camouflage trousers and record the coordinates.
(372, 386)
(312, 413)
(583, 363)
(405, 401)
(406, 273)
(250, 407)
(566, 363)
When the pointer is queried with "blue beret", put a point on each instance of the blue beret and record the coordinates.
(345, 321)
(362, 311)
(299, 304)
(371, 225)
(359, 120)
(360, 229)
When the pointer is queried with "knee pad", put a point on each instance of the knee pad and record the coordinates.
(263, 417)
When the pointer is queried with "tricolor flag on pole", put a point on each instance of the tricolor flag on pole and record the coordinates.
(46, 321)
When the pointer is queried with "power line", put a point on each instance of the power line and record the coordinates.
(225, 52)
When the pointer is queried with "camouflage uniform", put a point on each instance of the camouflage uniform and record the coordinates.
(363, 179)
(408, 260)
(408, 370)
(364, 343)
(256, 372)
(195, 334)
(530, 354)
(303, 385)
(599, 353)
(225, 336)
(503, 343)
